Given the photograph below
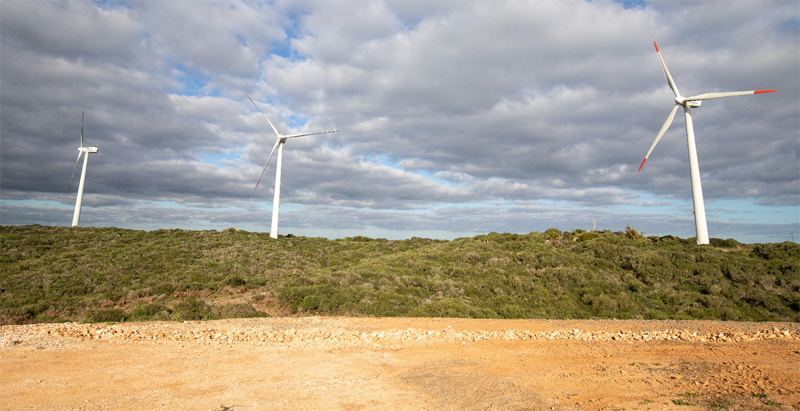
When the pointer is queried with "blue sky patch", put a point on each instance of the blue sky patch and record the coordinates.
(219, 158)
(632, 4)
(428, 174)
(43, 203)
(193, 82)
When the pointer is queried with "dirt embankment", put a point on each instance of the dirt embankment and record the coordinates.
(402, 364)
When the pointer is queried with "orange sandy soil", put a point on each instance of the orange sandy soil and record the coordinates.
(401, 364)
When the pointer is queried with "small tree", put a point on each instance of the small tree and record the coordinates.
(631, 233)
(553, 235)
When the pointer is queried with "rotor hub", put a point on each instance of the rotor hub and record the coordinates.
(687, 103)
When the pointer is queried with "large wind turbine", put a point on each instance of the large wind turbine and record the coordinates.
(279, 145)
(76, 217)
(688, 104)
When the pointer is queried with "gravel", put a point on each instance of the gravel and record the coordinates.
(325, 332)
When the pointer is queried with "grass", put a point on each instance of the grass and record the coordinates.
(111, 274)
(716, 402)
(684, 402)
(720, 403)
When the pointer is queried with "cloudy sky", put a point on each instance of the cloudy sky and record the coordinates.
(454, 118)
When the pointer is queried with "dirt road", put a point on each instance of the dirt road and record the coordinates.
(401, 364)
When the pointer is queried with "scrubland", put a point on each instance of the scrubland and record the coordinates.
(57, 274)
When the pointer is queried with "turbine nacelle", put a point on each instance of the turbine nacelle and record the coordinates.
(88, 149)
(682, 101)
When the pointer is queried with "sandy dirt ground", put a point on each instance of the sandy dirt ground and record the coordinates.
(401, 364)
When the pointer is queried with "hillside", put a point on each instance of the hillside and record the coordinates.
(110, 274)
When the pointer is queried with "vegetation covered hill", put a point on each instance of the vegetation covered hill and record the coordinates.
(112, 274)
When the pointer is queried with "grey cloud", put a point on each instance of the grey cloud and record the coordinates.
(502, 102)
(212, 37)
(75, 30)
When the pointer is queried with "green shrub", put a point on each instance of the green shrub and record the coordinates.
(718, 242)
(632, 234)
(165, 288)
(234, 311)
(15, 315)
(191, 309)
(153, 311)
(106, 315)
(452, 308)
(234, 281)
(552, 234)
(194, 286)
(656, 315)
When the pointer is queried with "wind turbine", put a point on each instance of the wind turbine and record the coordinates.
(279, 145)
(688, 104)
(76, 217)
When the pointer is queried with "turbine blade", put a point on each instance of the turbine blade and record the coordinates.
(709, 96)
(310, 134)
(81, 129)
(666, 73)
(265, 165)
(265, 117)
(73, 170)
(660, 133)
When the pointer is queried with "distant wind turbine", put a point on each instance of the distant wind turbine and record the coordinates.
(279, 145)
(688, 104)
(76, 217)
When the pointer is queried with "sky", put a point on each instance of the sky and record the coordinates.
(454, 118)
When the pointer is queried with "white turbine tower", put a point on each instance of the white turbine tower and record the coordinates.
(688, 104)
(279, 145)
(76, 217)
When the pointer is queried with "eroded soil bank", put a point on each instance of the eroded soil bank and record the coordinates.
(401, 364)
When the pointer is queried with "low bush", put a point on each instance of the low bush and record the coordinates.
(452, 308)
(152, 311)
(191, 309)
(718, 242)
(234, 281)
(164, 289)
(234, 311)
(106, 315)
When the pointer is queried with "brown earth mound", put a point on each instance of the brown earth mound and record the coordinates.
(401, 364)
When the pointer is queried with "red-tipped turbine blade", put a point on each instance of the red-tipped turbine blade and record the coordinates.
(666, 73)
(661, 133)
(709, 96)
